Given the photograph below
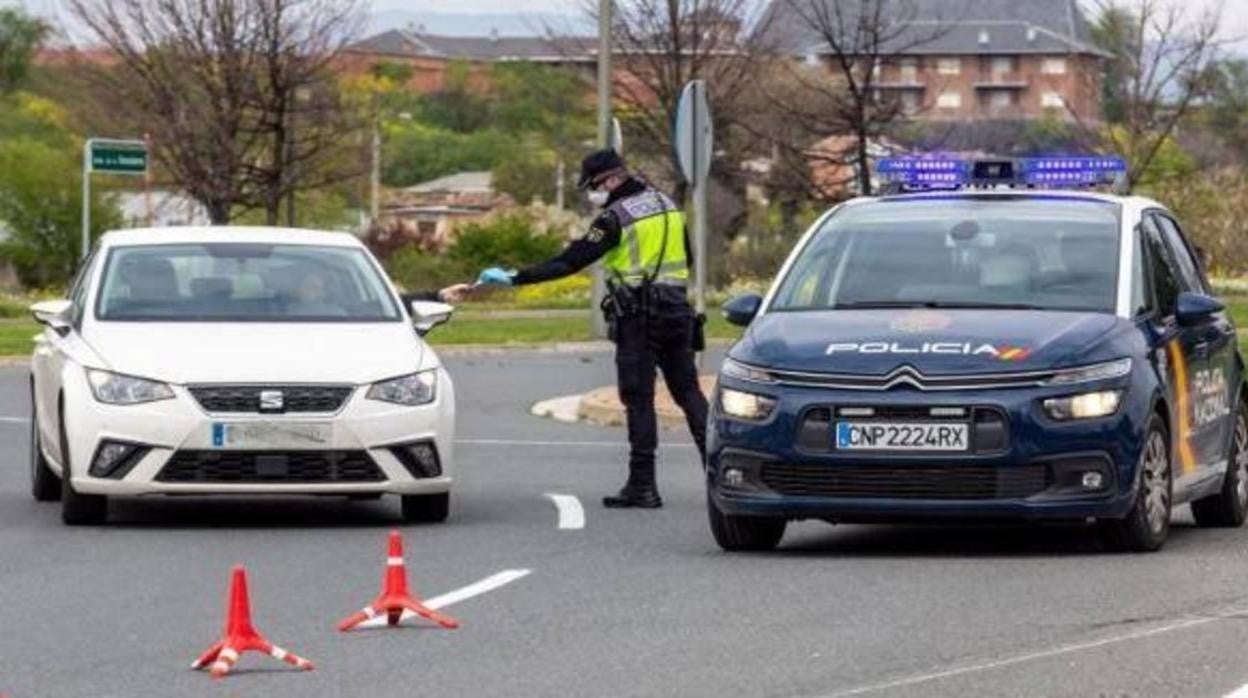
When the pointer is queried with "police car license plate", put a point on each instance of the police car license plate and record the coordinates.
(902, 436)
(272, 435)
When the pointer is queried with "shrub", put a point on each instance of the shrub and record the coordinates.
(508, 240)
(415, 270)
(571, 291)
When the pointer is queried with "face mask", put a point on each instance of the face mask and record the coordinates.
(597, 197)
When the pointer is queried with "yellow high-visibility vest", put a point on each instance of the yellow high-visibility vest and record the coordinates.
(643, 219)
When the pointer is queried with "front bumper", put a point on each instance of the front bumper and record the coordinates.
(780, 467)
(366, 429)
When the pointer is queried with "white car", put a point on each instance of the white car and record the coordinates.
(258, 361)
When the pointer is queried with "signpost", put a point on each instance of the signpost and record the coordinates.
(110, 157)
(693, 139)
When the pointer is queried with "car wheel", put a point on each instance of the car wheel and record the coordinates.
(1147, 524)
(738, 533)
(426, 508)
(1229, 506)
(78, 509)
(45, 486)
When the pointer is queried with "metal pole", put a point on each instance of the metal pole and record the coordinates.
(560, 175)
(86, 198)
(147, 179)
(604, 141)
(699, 225)
(374, 198)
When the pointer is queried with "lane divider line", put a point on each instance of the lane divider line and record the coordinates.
(484, 586)
(571, 513)
(1241, 692)
(1031, 656)
(14, 420)
(597, 444)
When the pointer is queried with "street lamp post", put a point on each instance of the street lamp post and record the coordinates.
(604, 141)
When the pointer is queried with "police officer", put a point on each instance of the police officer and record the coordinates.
(640, 236)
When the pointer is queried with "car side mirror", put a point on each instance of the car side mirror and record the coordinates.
(427, 315)
(54, 314)
(1197, 308)
(741, 310)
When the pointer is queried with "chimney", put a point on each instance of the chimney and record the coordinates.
(983, 37)
(494, 34)
(1031, 35)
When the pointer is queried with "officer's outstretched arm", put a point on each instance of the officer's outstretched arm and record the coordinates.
(601, 237)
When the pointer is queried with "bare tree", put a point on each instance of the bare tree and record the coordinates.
(215, 83)
(1162, 58)
(660, 45)
(299, 109)
(855, 41)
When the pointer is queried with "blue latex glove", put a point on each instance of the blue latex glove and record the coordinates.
(495, 276)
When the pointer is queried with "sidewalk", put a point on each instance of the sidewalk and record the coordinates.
(602, 406)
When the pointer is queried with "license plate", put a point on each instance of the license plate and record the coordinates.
(902, 436)
(262, 435)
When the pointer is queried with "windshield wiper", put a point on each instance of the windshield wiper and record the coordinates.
(966, 305)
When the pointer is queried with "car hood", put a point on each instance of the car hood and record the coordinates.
(875, 342)
(258, 352)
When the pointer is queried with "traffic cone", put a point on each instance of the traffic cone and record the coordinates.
(395, 597)
(241, 636)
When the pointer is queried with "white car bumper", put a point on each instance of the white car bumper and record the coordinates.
(366, 430)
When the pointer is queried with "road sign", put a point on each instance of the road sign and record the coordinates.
(118, 157)
(110, 157)
(694, 136)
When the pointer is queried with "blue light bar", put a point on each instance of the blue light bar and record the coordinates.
(925, 172)
(1067, 171)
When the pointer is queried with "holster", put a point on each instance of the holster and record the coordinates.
(699, 332)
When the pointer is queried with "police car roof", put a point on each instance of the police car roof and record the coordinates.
(1007, 193)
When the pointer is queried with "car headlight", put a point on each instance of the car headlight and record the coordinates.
(1101, 403)
(1094, 372)
(414, 389)
(118, 389)
(740, 371)
(742, 405)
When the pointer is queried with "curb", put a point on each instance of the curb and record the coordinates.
(602, 406)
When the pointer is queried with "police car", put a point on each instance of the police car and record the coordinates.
(990, 340)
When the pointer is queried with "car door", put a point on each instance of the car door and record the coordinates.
(1176, 355)
(52, 353)
(1213, 383)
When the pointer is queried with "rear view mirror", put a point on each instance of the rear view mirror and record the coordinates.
(1197, 308)
(741, 310)
(427, 315)
(54, 314)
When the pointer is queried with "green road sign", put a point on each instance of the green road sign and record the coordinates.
(118, 158)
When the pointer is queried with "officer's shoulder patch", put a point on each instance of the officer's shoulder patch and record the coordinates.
(594, 234)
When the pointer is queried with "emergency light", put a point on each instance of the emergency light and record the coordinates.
(919, 173)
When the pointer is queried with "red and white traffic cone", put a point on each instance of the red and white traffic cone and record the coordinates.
(241, 636)
(395, 597)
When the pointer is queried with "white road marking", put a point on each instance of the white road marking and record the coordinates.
(14, 420)
(1031, 656)
(571, 513)
(453, 597)
(595, 444)
(1241, 692)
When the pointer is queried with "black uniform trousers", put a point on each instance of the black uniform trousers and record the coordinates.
(661, 338)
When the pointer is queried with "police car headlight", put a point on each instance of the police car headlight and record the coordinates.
(740, 371)
(118, 389)
(1094, 372)
(1101, 403)
(742, 405)
(414, 389)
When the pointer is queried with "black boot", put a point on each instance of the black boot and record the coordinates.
(634, 497)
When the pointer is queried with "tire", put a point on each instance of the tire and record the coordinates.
(1229, 507)
(426, 508)
(78, 509)
(1147, 524)
(744, 533)
(45, 486)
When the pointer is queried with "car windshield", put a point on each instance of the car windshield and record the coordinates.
(1027, 253)
(243, 282)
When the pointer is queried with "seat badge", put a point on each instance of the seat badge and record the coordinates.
(272, 401)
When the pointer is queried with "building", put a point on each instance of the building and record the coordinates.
(428, 213)
(969, 60)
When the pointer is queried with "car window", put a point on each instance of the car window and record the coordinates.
(1161, 267)
(78, 290)
(243, 282)
(1189, 269)
(1141, 299)
(1059, 253)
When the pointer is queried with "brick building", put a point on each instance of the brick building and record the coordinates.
(971, 60)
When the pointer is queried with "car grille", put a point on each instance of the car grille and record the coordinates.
(295, 398)
(943, 482)
(270, 466)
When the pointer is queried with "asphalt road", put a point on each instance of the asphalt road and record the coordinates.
(635, 604)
